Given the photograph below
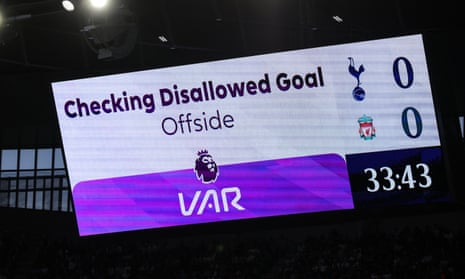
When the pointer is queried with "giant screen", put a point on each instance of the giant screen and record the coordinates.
(321, 129)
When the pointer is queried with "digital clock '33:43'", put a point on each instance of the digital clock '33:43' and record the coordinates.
(411, 176)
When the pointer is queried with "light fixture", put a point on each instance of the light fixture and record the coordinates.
(162, 39)
(98, 4)
(68, 5)
(338, 19)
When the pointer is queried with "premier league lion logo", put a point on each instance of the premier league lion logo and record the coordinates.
(206, 169)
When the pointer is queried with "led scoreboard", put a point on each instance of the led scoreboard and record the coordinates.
(330, 128)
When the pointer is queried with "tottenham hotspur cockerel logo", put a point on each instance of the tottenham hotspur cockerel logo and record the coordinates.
(206, 169)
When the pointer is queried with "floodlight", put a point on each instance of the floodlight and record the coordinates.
(68, 5)
(98, 3)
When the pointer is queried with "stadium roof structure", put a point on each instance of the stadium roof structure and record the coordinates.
(39, 35)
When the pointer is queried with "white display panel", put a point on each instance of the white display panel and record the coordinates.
(277, 108)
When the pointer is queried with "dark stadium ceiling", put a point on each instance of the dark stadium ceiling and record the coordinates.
(39, 35)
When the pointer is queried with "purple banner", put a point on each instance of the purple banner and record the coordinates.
(237, 191)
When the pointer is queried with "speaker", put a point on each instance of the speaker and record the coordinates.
(113, 35)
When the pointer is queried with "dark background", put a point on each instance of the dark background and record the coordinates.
(41, 43)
